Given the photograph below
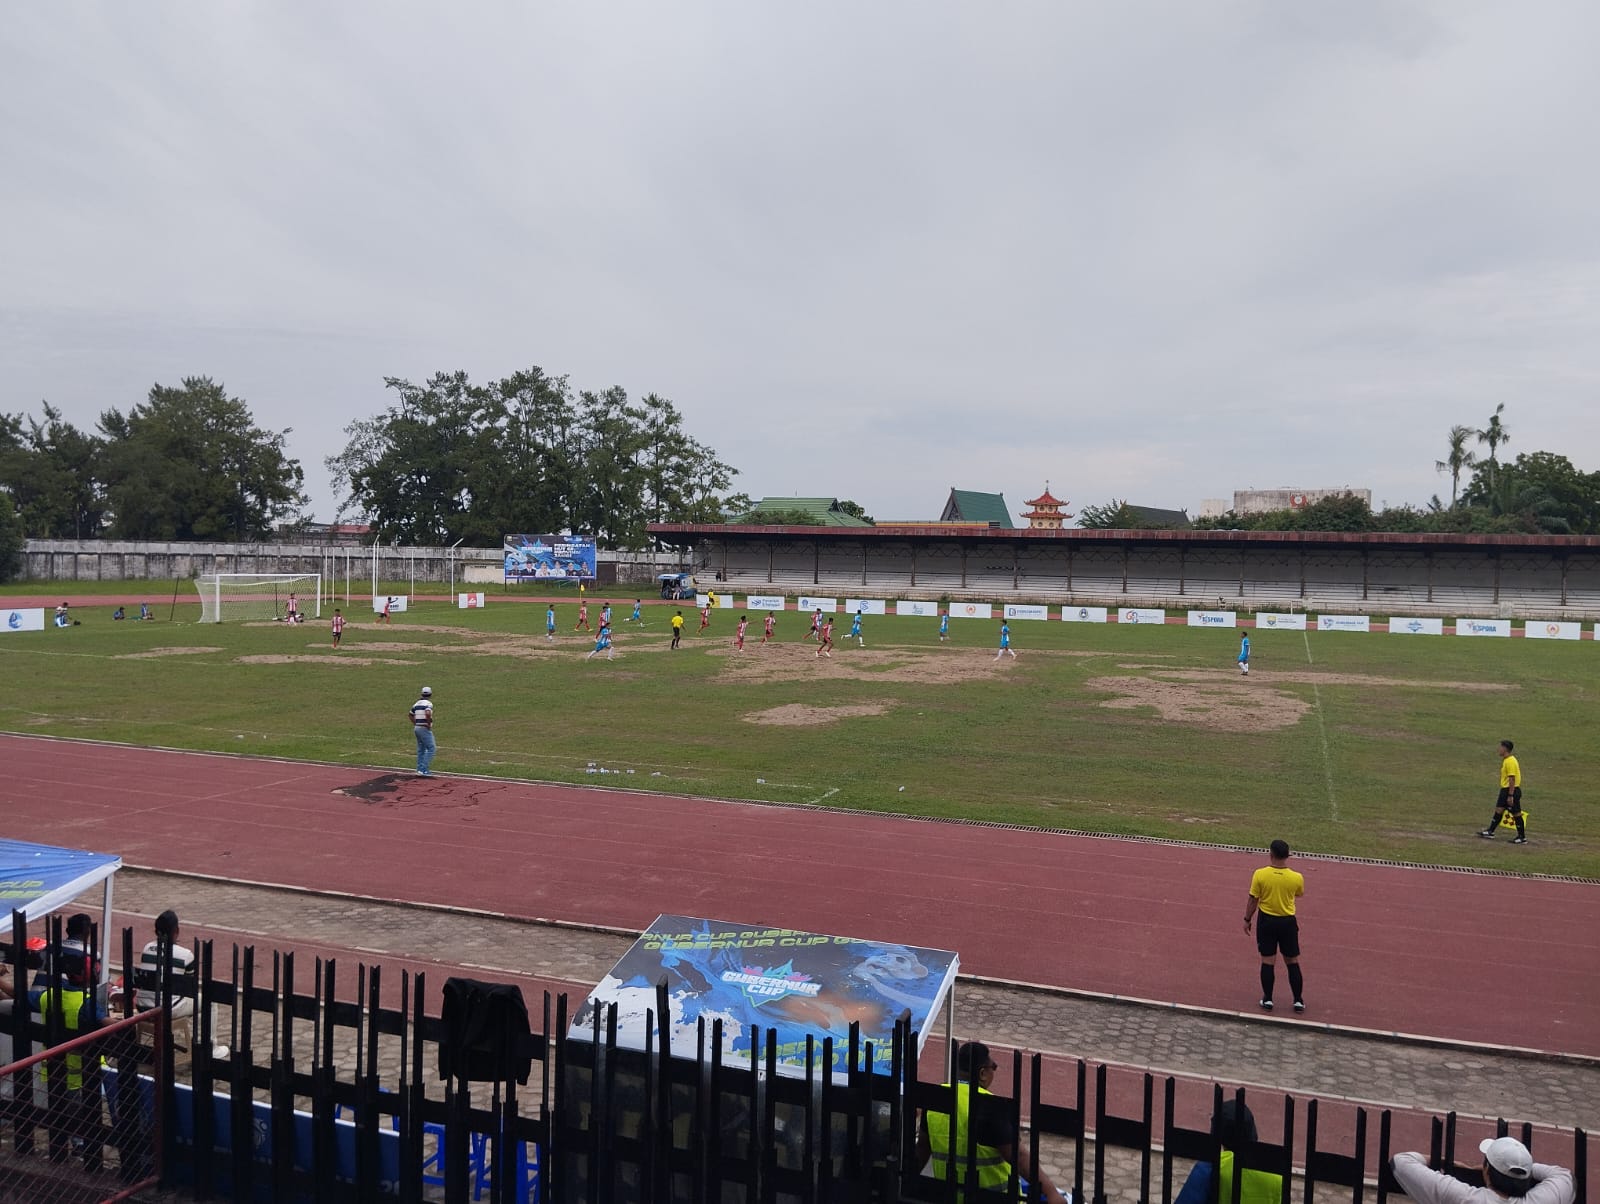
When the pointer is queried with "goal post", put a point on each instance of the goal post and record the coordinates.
(258, 596)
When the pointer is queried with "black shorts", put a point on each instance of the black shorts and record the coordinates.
(1509, 800)
(1277, 934)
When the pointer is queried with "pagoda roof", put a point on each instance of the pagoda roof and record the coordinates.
(1045, 499)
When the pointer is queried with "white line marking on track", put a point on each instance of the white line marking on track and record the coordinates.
(1322, 732)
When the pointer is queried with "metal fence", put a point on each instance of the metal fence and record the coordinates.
(344, 1085)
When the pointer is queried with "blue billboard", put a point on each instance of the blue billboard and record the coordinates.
(549, 558)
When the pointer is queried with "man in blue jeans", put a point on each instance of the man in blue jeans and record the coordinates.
(422, 725)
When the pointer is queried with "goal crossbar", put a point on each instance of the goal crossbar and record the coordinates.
(241, 596)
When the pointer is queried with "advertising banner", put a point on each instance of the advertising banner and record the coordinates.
(797, 984)
(1344, 623)
(921, 610)
(971, 610)
(1213, 618)
(471, 601)
(713, 599)
(866, 606)
(764, 602)
(1137, 614)
(1016, 611)
(24, 620)
(1271, 621)
(1535, 630)
(395, 604)
(1083, 614)
(1399, 625)
(827, 606)
(549, 558)
(1491, 627)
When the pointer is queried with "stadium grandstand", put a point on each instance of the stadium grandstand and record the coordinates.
(1513, 576)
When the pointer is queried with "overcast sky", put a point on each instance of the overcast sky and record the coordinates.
(1157, 252)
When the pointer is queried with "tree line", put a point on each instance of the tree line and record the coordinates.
(1538, 493)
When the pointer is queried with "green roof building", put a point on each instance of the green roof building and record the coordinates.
(825, 510)
(968, 506)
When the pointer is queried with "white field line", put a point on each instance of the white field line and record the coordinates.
(1322, 732)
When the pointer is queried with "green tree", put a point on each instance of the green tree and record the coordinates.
(190, 463)
(12, 540)
(1494, 435)
(1458, 459)
(856, 510)
(51, 469)
(1115, 515)
(767, 516)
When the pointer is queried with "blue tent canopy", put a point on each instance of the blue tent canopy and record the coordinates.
(35, 879)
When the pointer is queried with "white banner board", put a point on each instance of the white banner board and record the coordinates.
(1213, 618)
(827, 606)
(472, 601)
(1501, 627)
(971, 610)
(1272, 621)
(24, 620)
(1017, 611)
(1535, 630)
(395, 602)
(1137, 614)
(1344, 623)
(1083, 614)
(920, 610)
(717, 601)
(1399, 625)
(764, 602)
(867, 606)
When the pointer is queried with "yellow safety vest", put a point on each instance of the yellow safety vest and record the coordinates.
(70, 1004)
(994, 1172)
(1255, 1187)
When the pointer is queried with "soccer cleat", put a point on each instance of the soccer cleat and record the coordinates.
(1299, 1005)
(1266, 1005)
(1520, 840)
(1486, 834)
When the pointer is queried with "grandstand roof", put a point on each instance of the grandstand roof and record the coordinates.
(967, 505)
(824, 509)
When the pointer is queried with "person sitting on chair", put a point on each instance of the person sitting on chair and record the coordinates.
(164, 950)
(1235, 1128)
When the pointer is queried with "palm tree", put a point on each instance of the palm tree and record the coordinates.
(1459, 459)
(1494, 435)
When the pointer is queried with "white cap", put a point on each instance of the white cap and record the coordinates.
(1508, 1156)
(426, 691)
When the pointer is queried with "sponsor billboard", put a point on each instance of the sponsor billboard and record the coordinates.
(921, 610)
(794, 984)
(1083, 614)
(1344, 623)
(867, 606)
(549, 558)
(24, 620)
(1016, 611)
(1272, 621)
(395, 604)
(1401, 625)
(1213, 618)
(471, 601)
(764, 602)
(1535, 630)
(971, 610)
(827, 606)
(1136, 614)
(1483, 627)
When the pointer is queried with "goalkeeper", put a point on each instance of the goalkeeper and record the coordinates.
(1510, 798)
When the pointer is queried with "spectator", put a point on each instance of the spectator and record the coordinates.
(995, 1135)
(163, 951)
(118, 614)
(73, 1085)
(1235, 1128)
(1509, 1173)
(144, 610)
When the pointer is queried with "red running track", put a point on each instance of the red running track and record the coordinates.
(1501, 960)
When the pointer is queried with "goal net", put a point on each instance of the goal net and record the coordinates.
(241, 596)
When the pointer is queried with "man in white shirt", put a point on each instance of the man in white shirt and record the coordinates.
(421, 715)
(148, 981)
(1509, 1173)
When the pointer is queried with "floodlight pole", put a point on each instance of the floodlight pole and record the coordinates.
(450, 556)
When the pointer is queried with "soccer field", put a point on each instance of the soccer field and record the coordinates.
(1366, 745)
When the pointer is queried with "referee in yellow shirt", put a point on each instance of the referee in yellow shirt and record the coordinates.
(1510, 796)
(1273, 890)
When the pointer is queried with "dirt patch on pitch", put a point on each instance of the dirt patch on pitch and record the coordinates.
(1311, 677)
(1224, 706)
(791, 662)
(154, 652)
(798, 715)
(332, 658)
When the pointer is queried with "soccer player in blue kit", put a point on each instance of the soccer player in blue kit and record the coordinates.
(1244, 655)
(855, 629)
(944, 625)
(550, 623)
(1005, 641)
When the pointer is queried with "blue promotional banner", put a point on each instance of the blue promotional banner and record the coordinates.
(797, 984)
(549, 558)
